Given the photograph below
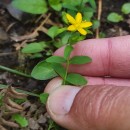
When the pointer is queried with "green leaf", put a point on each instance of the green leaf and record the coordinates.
(53, 125)
(85, 1)
(1, 100)
(64, 19)
(60, 70)
(56, 59)
(43, 71)
(65, 38)
(76, 79)
(36, 55)
(52, 31)
(126, 8)
(20, 101)
(57, 44)
(87, 16)
(89, 32)
(43, 98)
(102, 35)
(96, 24)
(67, 51)
(55, 31)
(22, 121)
(73, 2)
(80, 60)
(93, 3)
(34, 47)
(55, 4)
(89, 9)
(69, 6)
(75, 37)
(114, 17)
(61, 30)
(31, 6)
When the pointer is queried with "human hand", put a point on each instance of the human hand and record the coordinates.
(104, 104)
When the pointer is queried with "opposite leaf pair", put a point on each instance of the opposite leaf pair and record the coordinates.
(52, 67)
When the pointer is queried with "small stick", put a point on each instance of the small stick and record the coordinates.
(99, 16)
(7, 53)
(34, 34)
(42, 23)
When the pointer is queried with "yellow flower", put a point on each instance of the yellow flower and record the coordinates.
(78, 24)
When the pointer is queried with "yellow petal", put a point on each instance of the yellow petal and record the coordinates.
(78, 18)
(71, 28)
(70, 19)
(82, 31)
(85, 24)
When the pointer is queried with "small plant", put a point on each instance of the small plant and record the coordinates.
(60, 36)
(53, 65)
(115, 17)
(74, 24)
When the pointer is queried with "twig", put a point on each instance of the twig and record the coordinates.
(10, 26)
(3, 87)
(49, 21)
(99, 16)
(39, 18)
(34, 34)
(43, 22)
(7, 53)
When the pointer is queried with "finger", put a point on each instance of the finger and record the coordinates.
(91, 108)
(110, 56)
(57, 82)
(53, 84)
(108, 81)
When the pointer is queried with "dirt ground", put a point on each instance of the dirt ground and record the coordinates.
(11, 56)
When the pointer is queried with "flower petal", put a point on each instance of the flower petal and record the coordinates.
(71, 28)
(70, 19)
(85, 24)
(78, 18)
(82, 31)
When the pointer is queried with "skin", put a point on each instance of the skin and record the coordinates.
(104, 104)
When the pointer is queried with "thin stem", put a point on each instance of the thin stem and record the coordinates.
(66, 73)
(81, 3)
(80, 7)
(99, 16)
(14, 71)
(68, 62)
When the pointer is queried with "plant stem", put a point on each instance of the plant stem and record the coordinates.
(80, 7)
(66, 73)
(81, 3)
(14, 71)
(99, 16)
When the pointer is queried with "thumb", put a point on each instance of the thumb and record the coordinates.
(90, 108)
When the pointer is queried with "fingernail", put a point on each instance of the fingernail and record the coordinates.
(61, 100)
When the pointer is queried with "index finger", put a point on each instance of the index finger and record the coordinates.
(110, 57)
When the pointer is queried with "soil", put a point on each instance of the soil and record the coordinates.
(10, 55)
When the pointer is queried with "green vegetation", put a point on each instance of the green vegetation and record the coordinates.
(115, 17)
(74, 21)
